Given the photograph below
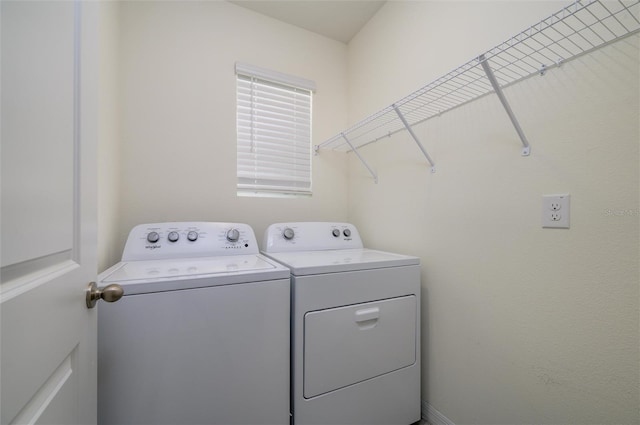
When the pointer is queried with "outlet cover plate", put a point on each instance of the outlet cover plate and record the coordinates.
(555, 211)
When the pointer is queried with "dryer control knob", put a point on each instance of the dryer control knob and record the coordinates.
(346, 233)
(233, 235)
(173, 236)
(288, 233)
(153, 237)
(192, 236)
(336, 233)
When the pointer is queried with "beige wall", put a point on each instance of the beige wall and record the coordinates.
(177, 153)
(109, 249)
(520, 324)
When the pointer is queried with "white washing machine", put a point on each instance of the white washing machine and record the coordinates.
(201, 335)
(355, 326)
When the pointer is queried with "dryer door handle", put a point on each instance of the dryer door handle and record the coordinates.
(367, 315)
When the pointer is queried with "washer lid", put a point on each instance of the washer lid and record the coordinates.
(165, 275)
(304, 263)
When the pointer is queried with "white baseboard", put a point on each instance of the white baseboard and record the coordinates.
(432, 416)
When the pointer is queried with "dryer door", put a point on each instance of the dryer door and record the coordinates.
(347, 345)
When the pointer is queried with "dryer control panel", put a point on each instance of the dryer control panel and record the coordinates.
(311, 236)
(159, 241)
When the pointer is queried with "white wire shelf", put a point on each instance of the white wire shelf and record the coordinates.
(576, 30)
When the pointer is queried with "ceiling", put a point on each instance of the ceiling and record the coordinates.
(336, 19)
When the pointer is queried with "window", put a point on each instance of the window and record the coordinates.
(273, 132)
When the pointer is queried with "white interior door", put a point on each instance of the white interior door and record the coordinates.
(48, 211)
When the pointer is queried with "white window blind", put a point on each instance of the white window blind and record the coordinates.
(273, 132)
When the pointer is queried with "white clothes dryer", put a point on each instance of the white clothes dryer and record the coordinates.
(201, 335)
(355, 335)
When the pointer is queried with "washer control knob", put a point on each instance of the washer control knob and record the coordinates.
(173, 236)
(336, 233)
(153, 237)
(288, 233)
(346, 233)
(233, 235)
(192, 236)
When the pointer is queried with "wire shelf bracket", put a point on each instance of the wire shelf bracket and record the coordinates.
(576, 30)
(373, 174)
(410, 130)
(526, 150)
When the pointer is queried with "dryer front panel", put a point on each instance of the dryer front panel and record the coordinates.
(351, 344)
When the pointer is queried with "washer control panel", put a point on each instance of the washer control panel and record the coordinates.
(311, 236)
(158, 241)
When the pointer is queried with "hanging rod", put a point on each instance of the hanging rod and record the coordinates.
(578, 29)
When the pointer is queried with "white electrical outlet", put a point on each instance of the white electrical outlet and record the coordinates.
(555, 211)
